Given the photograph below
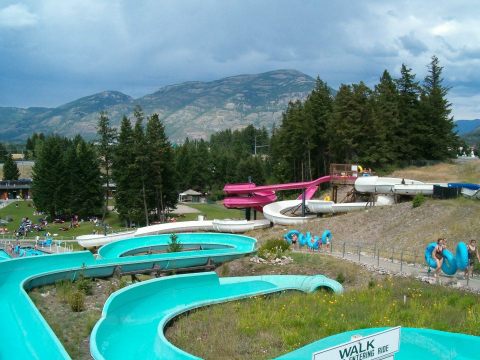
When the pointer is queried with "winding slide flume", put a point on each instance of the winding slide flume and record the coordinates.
(134, 318)
(137, 315)
(24, 329)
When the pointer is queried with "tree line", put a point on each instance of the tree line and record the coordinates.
(396, 121)
(135, 163)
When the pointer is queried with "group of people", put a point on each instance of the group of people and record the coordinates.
(437, 255)
(295, 241)
(27, 226)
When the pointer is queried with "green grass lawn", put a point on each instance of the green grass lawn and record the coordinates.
(266, 327)
(213, 211)
(22, 209)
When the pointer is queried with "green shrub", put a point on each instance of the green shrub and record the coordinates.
(216, 195)
(418, 200)
(64, 288)
(85, 285)
(340, 278)
(76, 300)
(92, 319)
(225, 270)
(174, 245)
(273, 248)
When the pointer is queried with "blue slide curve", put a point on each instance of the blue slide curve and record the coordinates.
(137, 315)
(25, 330)
(134, 317)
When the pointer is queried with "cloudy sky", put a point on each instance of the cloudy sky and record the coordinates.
(55, 51)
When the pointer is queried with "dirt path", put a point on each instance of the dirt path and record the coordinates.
(385, 266)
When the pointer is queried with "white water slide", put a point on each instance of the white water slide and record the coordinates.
(287, 212)
(231, 226)
(387, 185)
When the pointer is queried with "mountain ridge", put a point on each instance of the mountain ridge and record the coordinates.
(192, 109)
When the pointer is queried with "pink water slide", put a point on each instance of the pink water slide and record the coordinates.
(248, 195)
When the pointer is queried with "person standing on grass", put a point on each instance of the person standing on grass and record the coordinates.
(472, 253)
(437, 255)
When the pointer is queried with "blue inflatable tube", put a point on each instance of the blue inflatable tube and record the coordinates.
(449, 265)
(312, 241)
(428, 255)
(302, 240)
(288, 236)
(326, 237)
(461, 256)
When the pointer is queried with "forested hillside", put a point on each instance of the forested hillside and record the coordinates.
(399, 121)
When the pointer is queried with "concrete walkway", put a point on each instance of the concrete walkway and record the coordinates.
(184, 209)
(387, 267)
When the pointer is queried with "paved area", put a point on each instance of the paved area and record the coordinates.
(184, 209)
(396, 268)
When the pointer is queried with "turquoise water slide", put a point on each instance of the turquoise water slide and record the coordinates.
(25, 333)
(414, 344)
(137, 315)
(4, 255)
(133, 318)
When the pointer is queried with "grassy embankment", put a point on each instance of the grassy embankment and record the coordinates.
(266, 327)
(22, 209)
(25, 209)
(211, 212)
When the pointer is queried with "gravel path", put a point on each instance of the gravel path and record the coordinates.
(396, 268)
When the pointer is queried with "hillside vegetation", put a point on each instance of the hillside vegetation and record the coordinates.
(401, 225)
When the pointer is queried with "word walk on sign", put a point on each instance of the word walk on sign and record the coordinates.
(381, 345)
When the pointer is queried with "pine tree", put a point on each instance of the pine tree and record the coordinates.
(47, 176)
(107, 135)
(10, 169)
(123, 172)
(343, 126)
(387, 118)
(184, 156)
(411, 128)
(3, 153)
(142, 169)
(88, 192)
(319, 106)
(440, 139)
(162, 174)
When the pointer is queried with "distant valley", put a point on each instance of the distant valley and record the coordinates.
(192, 109)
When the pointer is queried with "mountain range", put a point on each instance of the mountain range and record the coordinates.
(191, 109)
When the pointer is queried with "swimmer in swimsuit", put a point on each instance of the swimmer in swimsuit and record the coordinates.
(472, 253)
(294, 240)
(437, 255)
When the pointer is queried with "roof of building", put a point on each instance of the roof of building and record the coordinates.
(190, 192)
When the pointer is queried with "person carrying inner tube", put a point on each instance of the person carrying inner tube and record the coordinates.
(472, 252)
(294, 240)
(437, 255)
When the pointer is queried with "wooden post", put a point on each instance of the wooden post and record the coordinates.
(303, 202)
